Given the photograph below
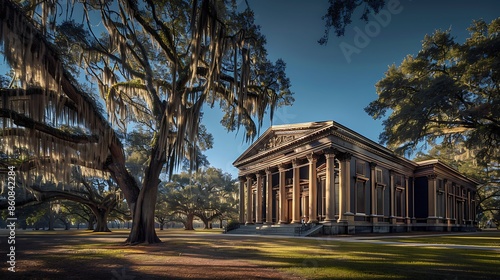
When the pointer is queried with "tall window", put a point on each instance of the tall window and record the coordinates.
(399, 195)
(379, 189)
(380, 200)
(440, 211)
(399, 202)
(360, 196)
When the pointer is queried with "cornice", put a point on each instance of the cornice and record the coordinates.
(288, 145)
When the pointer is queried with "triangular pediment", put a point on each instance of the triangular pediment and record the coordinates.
(279, 136)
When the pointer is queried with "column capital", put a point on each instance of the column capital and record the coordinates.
(259, 174)
(249, 177)
(268, 170)
(281, 167)
(242, 178)
(327, 156)
(312, 157)
(330, 151)
(432, 176)
(373, 165)
(295, 162)
(344, 156)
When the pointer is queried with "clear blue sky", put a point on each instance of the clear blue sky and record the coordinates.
(329, 85)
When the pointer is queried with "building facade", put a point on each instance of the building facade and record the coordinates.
(325, 173)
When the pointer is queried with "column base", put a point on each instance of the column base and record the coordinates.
(248, 223)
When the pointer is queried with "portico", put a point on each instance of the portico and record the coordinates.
(325, 173)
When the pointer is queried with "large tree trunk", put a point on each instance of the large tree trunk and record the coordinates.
(91, 222)
(101, 216)
(205, 222)
(189, 221)
(102, 222)
(67, 224)
(51, 217)
(143, 228)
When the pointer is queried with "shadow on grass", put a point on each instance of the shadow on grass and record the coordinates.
(236, 257)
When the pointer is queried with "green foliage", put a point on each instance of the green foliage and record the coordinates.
(339, 14)
(448, 92)
(156, 64)
(208, 194)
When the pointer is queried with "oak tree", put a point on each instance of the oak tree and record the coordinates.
(155, 64)
(449, 92)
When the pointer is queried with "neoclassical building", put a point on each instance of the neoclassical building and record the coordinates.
(324, 173)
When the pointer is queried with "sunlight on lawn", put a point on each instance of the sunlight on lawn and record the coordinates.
(488, 239)
(308, 258)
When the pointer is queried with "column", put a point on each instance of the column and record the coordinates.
(269, 197)
(392, 195)
(242, 200)
(282, 198)
(413, 199)
(469, 214)
(313, 189)
(407, 200)
(296, 193)
(249, 219)
(431, 196)
(446, 200)
(258, 211)
(392, 190)
(330, 186)
(373, 190)
(345, 187)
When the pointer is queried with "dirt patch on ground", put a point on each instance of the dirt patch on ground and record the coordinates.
(103, 257)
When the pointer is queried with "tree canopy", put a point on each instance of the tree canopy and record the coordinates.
(154, 64)
(207, 194)
(339, 14)
(449, 92)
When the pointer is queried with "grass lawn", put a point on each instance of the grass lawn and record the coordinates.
(211, 255)
(486, 238)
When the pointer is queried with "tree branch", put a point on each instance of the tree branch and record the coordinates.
(24, 121)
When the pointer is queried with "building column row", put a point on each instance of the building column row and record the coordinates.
(343, 197)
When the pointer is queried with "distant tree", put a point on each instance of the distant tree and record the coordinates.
(447, 93)
(207, 194)
(98, 195)
(216, 195)
(79, 213)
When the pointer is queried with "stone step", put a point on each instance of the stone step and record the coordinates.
(283, 230)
